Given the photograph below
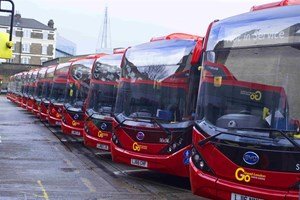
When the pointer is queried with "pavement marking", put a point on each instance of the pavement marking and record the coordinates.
(0, 139)
(45, 195)
(88, 184)
(129, 171)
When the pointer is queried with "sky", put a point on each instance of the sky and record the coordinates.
(131, 21)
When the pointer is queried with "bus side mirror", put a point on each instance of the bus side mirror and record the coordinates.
(5, 46)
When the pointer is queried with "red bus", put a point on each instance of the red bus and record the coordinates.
(78, 83)
(57, 94)
(46, 89)
(246, 141)
(101, 101)
(11, 88)
(18, 86)
(37, 94)
(31, 88)
(25, 86)
(155, 104)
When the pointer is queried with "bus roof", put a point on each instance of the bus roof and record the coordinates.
(267, 14)
(256, 28)
(172, 36)
(276, 4)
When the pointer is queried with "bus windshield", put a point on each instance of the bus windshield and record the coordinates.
(30, 90)
(46, 90)
(57, 92)
(76, 94)
(250, 77)
(157, 82)
(38, 90)
(105, 76)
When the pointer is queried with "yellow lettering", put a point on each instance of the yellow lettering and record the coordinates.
(241, 175)
(101, 134)
(74, 123)
(256, 96)
(136, 147)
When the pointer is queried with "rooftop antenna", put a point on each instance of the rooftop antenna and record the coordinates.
(104, 38)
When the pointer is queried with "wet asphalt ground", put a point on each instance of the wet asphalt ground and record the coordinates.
(39, 162)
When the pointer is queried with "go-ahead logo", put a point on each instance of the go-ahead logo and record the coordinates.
(74, 123)
(256, 96)
(138, 147)
(242, 175)
(102, 134)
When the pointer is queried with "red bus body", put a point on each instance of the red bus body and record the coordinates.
(11, 89)
(139, 141)
(18, 85)
(232, 165)
(32, 86)
(98, 124)
(46, 89)
(56, 98)
(73, 115)
(25, 87)
(37, 96)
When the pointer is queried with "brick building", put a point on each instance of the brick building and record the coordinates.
(34, 42)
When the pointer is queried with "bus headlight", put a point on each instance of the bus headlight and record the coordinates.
(178, 144)
(199, 162)
(115, 140)
(86, 129)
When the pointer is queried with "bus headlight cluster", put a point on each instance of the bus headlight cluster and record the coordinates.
(115, 139)
(86, 129)
(199, 162)
(63, 119)
(175, 146)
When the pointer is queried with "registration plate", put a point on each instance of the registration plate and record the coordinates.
(102, 146)
(75, 132)
(140, 163)
(58, 123)
(242, 197)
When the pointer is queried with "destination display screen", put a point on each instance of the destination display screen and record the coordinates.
(249, 33)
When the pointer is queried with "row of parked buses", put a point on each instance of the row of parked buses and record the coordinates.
(222, 110)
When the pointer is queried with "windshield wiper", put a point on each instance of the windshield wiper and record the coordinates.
(154, 119)
(292, 141)
(120, 123)
(203, 142)
(295, 144)
(90, 116)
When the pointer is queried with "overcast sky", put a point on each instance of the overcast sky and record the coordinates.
(131, 21)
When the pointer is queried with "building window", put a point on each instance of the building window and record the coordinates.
(25, 60)
(26, 33)
(43, 60)
(44, 49)
(12, 59)
(25, 48)
(45, 35)
(14, 32)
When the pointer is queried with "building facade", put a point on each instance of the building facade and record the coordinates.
(34, 42)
